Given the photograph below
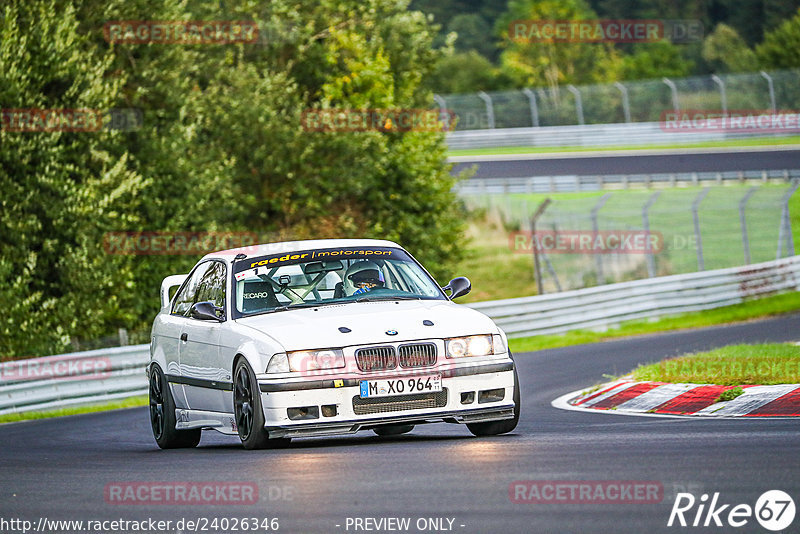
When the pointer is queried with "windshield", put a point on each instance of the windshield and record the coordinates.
(327, 276)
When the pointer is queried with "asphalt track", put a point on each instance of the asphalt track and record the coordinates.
(632, 163)
(58, 468)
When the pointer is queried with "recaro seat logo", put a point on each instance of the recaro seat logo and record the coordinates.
(774, 510)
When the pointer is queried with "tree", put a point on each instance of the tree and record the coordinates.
(551, 64)
(752, 19)
(60, 189)
(299, 184)
(222, 147)
(465, 73)
(474, 34)
(781, 47)
(654, 60)
(725, 51)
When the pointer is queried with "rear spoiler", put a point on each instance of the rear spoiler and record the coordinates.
(167, 284)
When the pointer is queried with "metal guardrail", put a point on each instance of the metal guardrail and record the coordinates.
(574, 182)
(81, 377)
(595, 135)
(115, 373)
(608, 305)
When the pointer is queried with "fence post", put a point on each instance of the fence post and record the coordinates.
(626, 105)
(723, 97)
(743, 223)
(696, 217)
(578, 102)
(674, 91)
(785, 229)
(771, 91)
(552, 272)
(534, 107)
(651, 261)
(489, 107)
(444, 116)
(537, 268)
(598, 260)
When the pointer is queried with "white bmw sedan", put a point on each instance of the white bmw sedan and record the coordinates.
(314, 338)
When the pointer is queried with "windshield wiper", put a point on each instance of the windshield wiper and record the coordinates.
(293, 306)
(386, 297)
(299, 305)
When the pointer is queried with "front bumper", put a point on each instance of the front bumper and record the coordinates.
(278, 396)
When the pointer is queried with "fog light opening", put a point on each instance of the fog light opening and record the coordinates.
(329, 410)
(304, 412)
(491, 395)
(467, 397)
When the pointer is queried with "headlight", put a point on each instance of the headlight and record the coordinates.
(314, 360)
(459, 347)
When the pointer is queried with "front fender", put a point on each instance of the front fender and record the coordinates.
(257, 359)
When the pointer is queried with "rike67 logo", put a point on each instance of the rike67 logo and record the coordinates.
(774, 510)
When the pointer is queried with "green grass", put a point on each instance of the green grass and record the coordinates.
(763, 141)
(774, 305)
(729, 394)
(131, 402)
(773, 363)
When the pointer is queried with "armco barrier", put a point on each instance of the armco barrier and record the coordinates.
(81, 377)
(593, 135)
(107, 374)
(598, 182)
(608, 305)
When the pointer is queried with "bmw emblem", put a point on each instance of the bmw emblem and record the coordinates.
(391, 332)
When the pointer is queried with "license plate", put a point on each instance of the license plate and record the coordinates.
(400, 386)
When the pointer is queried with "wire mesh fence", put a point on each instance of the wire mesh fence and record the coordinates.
(640, 101)
(593, 238)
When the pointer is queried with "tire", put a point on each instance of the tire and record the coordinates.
(493, 428)
(249, 413)
(162, 415)
(393, 430)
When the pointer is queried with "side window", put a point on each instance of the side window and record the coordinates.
(212, 285)
(185, 297)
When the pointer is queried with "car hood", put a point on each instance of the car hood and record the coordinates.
(369, 322)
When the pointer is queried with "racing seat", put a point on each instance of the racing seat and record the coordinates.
(258, 296)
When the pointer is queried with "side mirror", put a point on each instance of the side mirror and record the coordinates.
(458, 287)
(205, 311)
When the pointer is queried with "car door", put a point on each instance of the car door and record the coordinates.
(205, 379)
(171, 329)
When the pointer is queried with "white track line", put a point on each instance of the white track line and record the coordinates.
(622, 386)
(731, 410)
(753, 398)
(655, 397)
(562, 404)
